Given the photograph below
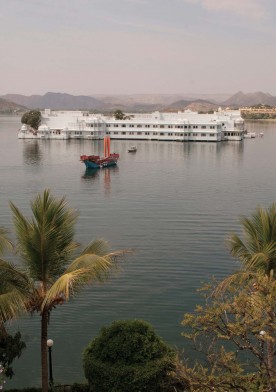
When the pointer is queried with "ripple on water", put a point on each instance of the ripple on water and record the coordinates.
(173, 204)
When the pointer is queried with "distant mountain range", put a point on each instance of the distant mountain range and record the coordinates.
(240, 99)
(10, 107)
(56, 101)
(133, 103)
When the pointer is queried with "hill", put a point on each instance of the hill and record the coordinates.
(198, 105)
(240, 99)
(133, 102)
(7, 107)
(57, 101)
(127, 103)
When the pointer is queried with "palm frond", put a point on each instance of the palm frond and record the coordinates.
(85, 269)
(237, 247)
(15, 291)
(99, 247)
(12, 274)
(257, 249)
(5, 243)
(45, 241)
(72, 280)
(12, 304)
(46, 244)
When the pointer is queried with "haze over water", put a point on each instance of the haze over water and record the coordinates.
(172, 203)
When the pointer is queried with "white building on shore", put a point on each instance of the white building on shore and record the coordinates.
(182, 126)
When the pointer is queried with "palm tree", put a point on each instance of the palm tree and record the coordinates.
(13, 284)
(257, 252)
(50, 275)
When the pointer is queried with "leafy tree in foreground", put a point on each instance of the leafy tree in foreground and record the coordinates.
(32, 118)
(11, 347)
(50, 275)
(256, 250)
(128, 356)
(234, 333)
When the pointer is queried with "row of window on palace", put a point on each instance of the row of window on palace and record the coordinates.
(161, 126)
(95, 125)
(187, 134)
(160, 133)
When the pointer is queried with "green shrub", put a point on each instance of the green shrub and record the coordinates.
(128, 356)
(80, 388)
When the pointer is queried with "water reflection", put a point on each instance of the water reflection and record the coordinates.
(89, 173)
(104, 174)
(237, 148)
(108, 171)
(184, 200)
(31, 152)
(217, 151)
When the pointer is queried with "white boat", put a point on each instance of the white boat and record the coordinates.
(132, 149)
(187, 126)
(249, 135)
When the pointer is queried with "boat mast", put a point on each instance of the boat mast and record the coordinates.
(106, 146)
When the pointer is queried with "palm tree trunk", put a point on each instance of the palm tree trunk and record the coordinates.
(44, 358)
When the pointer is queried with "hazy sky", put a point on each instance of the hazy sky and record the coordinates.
(137, 46)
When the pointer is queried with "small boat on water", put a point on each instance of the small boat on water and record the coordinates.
(249, 135)
(96, 162)
(132, 149)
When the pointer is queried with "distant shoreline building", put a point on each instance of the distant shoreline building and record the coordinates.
(259, 112)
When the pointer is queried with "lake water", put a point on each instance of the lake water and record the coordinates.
(172, 203)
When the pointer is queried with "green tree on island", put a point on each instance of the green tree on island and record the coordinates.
(119, 115)
(32, 118)
(51, 272)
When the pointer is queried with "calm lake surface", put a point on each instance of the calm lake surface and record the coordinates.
(173, 203)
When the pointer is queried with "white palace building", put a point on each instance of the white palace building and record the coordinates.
(184, 126)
